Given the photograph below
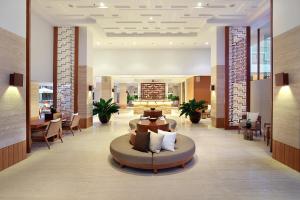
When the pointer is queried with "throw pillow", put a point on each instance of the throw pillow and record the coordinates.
(156, 140)
(252, 116)
(168, 141)
(142, 141)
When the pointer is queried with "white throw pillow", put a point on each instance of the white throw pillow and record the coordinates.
(252, 116)
(156, 140)
(168, 141)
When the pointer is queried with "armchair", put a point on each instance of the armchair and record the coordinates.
(255, 119)
(53, 129)
(73, 123)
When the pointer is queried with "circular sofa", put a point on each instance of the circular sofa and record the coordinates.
(122, 152)
(133, 123)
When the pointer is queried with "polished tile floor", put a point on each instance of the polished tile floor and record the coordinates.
(224, 167)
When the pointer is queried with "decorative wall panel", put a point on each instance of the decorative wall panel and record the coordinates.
(153, 91)
(237, 74)
(65, 69)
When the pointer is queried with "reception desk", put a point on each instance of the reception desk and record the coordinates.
(140, 105)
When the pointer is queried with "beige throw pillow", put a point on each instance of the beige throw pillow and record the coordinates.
(156, 140)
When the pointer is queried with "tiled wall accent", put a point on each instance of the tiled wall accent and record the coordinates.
(286, 100)
(153, 91)
(238, 69)
(65, 69)
(34, 99)
(85, 98)
(12, 99)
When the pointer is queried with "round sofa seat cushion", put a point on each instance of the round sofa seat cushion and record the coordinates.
(133, 123)
(122, 150)
(184, 149)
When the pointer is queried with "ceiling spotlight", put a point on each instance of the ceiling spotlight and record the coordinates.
(206, 43)
(98, 43)
(101, 5)
(201, 5)
(170, 43)
(150, 18)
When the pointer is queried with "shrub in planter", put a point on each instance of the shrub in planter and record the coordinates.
(104, 109)
(193, 109)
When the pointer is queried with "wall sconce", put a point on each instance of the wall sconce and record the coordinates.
(212, 87)
(282, 79)
(91, 88)
(16, 79)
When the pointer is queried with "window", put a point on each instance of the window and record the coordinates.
(261, 53)
(265, 52)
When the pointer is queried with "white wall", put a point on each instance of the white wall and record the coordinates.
(152, 62)
(13, 16)
(41, 49)
(286, 15)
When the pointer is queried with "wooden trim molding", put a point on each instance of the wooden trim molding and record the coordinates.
(55, 40)
(28, 77)
(12, 154)
(286, 154)
(226, 105)
(76, 69)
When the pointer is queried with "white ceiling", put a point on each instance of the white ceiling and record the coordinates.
(149, 23)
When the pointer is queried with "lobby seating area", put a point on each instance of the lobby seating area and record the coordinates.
(149, 100)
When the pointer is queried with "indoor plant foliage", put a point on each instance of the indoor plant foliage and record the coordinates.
(104, 109)
(193, 109)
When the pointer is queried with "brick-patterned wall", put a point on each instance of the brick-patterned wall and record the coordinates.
(237, 74)
(153, 91)
(65, 69)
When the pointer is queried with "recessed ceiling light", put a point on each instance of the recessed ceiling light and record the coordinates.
(200, 5)
(206, 43)
(98, 43)
(134, 43)
(151, 18)
(101, 5)
(170, 43)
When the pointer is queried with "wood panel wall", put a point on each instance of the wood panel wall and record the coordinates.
(202, 88)
(286, 154)
(12, 154)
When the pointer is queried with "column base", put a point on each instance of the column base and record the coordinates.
(86, 122)
(217, 122)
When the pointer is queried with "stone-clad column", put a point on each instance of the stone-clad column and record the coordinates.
(123, 95)
(218, 78)
(85, 78)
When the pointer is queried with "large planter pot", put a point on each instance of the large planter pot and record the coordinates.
(195, 117)
(104, 119)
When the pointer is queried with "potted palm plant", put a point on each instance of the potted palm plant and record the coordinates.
(193, 109)
(104, 109)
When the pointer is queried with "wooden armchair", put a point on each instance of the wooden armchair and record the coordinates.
(72, 124)
(255, 124)
(53, 129)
